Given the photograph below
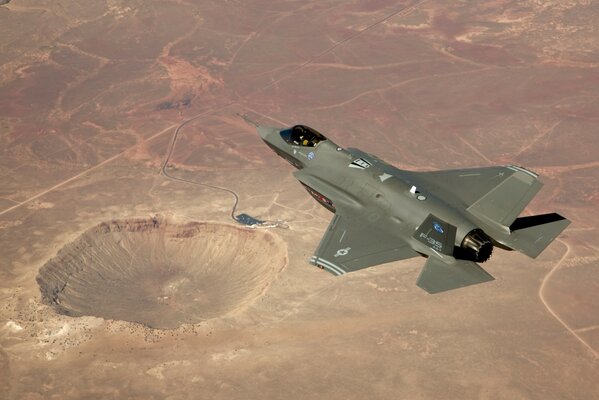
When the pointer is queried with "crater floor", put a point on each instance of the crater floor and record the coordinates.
(159, 273)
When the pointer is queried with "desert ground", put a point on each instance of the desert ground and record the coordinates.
(123, 158)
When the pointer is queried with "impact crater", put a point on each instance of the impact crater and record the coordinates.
(161, 273)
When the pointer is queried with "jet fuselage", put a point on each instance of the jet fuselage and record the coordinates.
(373, 189)
(382, 213)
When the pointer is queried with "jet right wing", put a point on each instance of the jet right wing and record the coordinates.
(350, 244)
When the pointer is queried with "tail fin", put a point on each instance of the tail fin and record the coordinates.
(531, 235)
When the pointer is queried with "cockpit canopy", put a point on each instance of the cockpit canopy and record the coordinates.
(301, 135)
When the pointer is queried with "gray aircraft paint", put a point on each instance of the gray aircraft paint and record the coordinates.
(455, 218)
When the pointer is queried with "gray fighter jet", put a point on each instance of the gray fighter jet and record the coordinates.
(454, 218)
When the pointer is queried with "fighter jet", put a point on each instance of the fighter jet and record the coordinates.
(454, 218)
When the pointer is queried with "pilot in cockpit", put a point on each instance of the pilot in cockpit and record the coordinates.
(303, 136)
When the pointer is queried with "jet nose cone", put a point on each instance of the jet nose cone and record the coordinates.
(265, 131)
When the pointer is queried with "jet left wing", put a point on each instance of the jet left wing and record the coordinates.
(494, 194)
(350, 244)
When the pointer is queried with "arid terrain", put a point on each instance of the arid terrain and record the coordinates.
(123, 157)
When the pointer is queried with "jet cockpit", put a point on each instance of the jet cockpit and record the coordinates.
(302, 135)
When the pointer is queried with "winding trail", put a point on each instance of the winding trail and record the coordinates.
(311, 60)
(171, 149)
(403, 11)
(553, 313)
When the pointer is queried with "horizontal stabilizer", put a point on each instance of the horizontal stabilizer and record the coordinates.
(437, 276)
(531, 235)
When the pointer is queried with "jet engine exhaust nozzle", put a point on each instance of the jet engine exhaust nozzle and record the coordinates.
(477, 246)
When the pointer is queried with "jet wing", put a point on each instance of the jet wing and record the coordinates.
(350, 244)
(494, 194)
